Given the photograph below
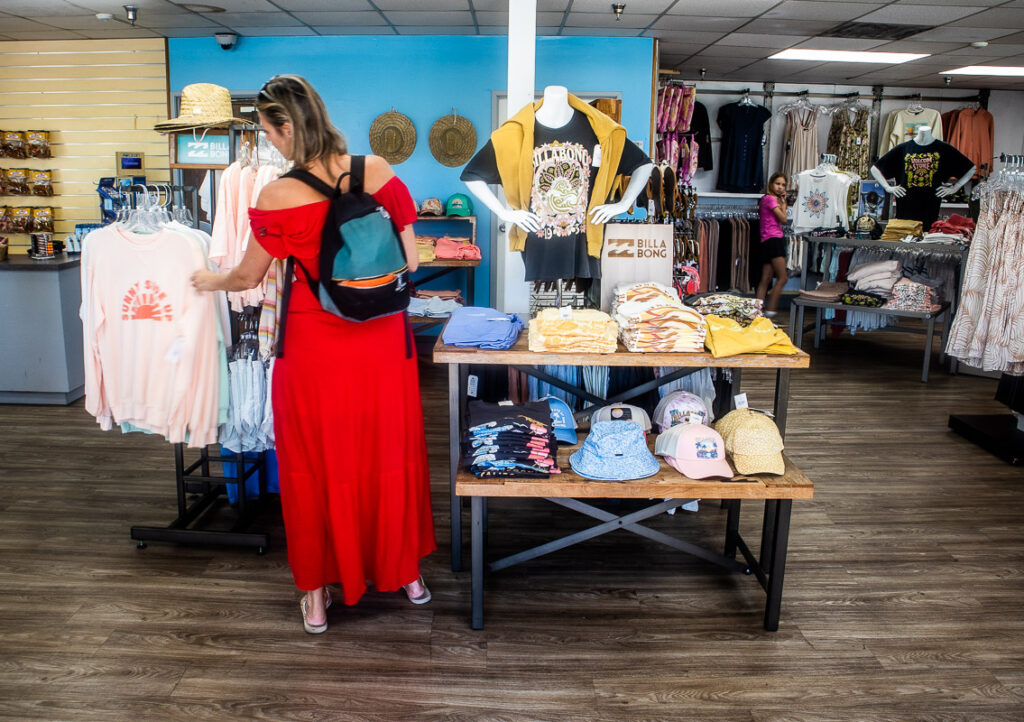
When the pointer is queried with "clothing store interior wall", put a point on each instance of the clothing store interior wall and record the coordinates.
(423, 78)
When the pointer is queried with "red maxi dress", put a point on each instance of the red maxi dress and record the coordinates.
(348, 423)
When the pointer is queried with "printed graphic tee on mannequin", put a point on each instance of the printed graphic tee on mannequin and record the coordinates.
(921, 169)
(821, 200)
(564, 168)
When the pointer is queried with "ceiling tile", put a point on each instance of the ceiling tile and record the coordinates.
(12, 24)
(765, 41)
(423, 5)
(321, 5)
(995, 50)
(695, 38)
(974, 3)
(918, 14)
(35, 8)
(736, 51)
(723, 8)
(918, 46)
(542, 5)
(357, 30)
(788, 27)
(256, 20)
(72, 22)
(117, 6)
(275, 31)
(632, 6)
(178, 21)
(118, 33)
(1015, 38)
(601, 32)
(340, 19)
(494, 17)
(699, 24)
(840, 43)
(417, 17)
(46, 35)
(995, 18)
(239, 6)
(173, 32)
(435, 30)
(962, 35)
(607, 20)
(797, 9)
(497, 30)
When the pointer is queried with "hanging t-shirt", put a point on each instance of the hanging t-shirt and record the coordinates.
(921, 169)
(902, 125)
(821, 200)
(564, 168)
(700, 127)
(741, 160)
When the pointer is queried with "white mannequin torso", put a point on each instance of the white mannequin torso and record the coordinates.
(924, 136)
(555, 111)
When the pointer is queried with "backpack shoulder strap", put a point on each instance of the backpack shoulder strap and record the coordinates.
(358, 173)
(311, 180)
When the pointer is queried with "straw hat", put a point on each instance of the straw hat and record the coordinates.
(452, 140)
(203, 105)
(392, 137)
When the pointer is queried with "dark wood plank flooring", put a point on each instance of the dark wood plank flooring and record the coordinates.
(903, 597)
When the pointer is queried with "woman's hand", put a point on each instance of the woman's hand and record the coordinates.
(207, 280)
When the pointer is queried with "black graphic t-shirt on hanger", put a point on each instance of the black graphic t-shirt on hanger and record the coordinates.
(921, 169)
(563, 178)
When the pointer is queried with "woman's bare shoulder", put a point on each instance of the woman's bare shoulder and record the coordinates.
(378, 172)
(286, 193)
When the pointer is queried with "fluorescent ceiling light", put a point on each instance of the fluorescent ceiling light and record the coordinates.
(846, 56)
(986, 70)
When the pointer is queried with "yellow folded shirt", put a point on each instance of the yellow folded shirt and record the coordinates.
(727, 338)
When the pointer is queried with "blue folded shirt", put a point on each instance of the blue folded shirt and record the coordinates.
(483, 327)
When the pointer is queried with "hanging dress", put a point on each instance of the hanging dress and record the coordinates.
(801, 142)
(348, 423)
(848, 141)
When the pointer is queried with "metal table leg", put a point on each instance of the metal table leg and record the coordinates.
(768, 533)
(477, 524)
(454, 431)
(817, 326)
(928, 349)
(781, 399)
(800, 326)
(777, 566)
(732, 526)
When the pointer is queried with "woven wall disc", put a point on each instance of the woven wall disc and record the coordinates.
(452, 140)
(392, 137)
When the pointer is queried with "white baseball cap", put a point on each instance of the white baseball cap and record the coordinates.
(621, 412)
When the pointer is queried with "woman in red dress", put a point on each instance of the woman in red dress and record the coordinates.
(348, 421)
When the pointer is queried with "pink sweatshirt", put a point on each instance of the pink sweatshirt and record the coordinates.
(151, 351)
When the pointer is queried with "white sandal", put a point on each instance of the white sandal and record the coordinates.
(315, 628)
(422, 598)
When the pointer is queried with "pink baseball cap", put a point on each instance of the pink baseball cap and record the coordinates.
(681, 407)
(694, 450)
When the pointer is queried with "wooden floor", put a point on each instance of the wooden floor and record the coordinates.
(904, 594)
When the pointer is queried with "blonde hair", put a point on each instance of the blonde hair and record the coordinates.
(291, 99)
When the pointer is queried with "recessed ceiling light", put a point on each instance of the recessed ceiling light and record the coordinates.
(846, 56)
(198, 8)
(986, 70)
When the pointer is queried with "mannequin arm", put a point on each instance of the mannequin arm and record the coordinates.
(637, 182)
(897, 191)
(524, 219)
(943, 191)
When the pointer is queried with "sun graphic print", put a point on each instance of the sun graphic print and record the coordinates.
(146, 302)
(816, 203)
(560, 190)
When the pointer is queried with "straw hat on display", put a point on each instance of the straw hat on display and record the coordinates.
(452, 140)
(203, 105)
(392, 137)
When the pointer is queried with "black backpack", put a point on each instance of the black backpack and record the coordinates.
(364, 273)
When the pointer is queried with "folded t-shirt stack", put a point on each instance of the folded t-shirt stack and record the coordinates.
(877, 278)
(581, 331)
(435, 304)
(726, 305)
(955, 225)
(829, 291)
(909, 295)
(897, 228)
(483, 327)
(510, 441)
(451, 248)
(425, 248)
(651, 318)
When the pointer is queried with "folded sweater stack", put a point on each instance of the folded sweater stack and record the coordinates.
(909, 295)
(829, 291)
(583, 331)
(651, 318)
(877, 278)
(897, 228)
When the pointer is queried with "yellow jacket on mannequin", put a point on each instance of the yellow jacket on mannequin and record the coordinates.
(513, 153)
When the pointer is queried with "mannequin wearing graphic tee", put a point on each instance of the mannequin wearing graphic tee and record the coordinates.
(555, 200)
(926, 170)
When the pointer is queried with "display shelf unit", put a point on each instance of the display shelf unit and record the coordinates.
(447, 267)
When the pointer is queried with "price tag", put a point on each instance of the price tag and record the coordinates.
(741, 401)
(597, 156)
(565, 313)
(472, 382)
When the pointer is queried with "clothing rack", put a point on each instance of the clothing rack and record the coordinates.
(210, 492)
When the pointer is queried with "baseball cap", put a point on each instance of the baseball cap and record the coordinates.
(754, 442)
(622, 412)
(431, 207)
(694, 450)
(614, 451)
(459, 205)
(680, 407)
(563, 423)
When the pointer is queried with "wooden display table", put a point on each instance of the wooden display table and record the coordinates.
(566, 489)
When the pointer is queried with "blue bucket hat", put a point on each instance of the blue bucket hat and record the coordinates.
(563, 423)
(614, 451)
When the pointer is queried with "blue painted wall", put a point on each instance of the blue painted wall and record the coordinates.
(424, 77)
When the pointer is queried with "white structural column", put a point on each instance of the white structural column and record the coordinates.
(512, 294)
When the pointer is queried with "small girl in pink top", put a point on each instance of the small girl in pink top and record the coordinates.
(773, 247)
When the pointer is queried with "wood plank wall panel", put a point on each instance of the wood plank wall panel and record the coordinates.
(96, 97)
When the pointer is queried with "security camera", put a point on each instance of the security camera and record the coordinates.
(226, 40)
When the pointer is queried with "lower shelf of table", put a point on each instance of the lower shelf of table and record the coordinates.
(806, 303)
(667, 483)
